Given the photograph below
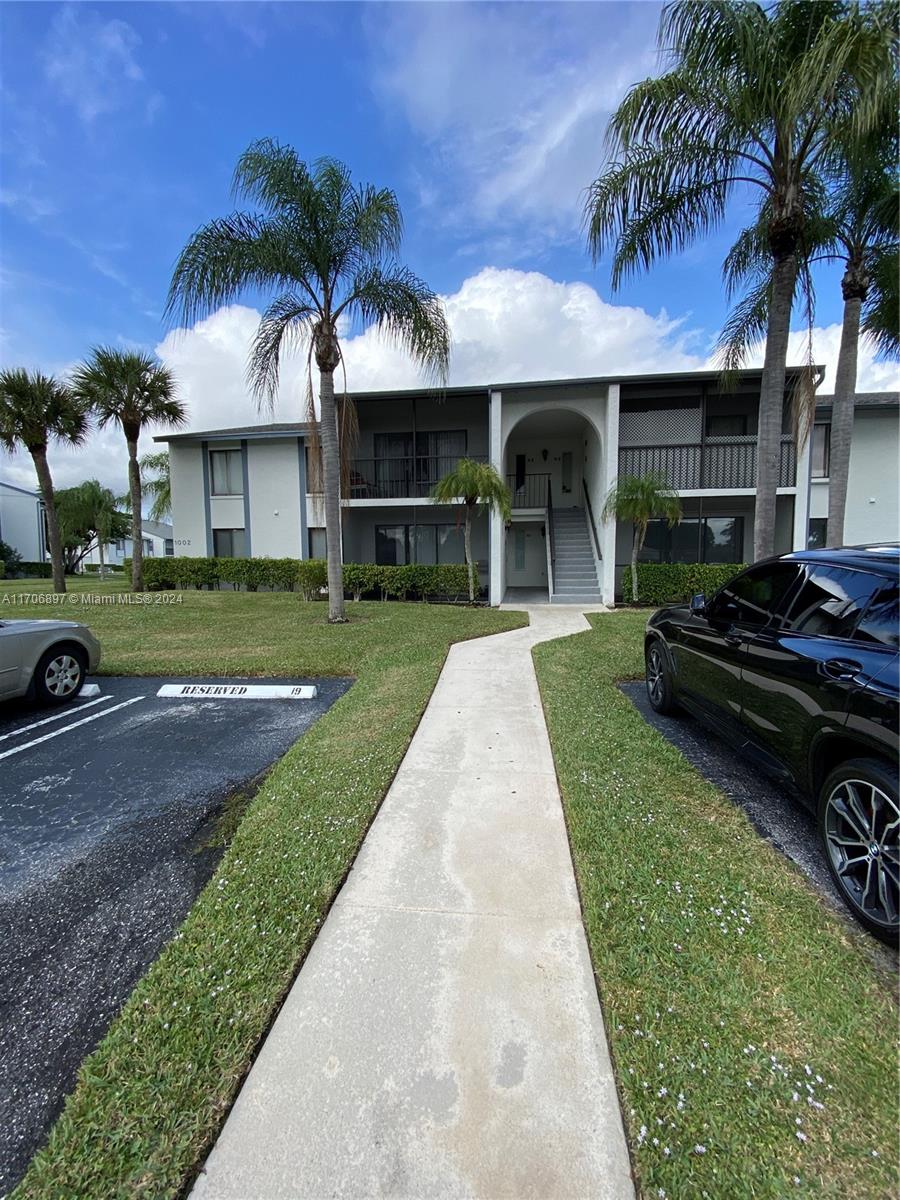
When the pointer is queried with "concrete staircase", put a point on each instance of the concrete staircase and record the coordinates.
(575, 569)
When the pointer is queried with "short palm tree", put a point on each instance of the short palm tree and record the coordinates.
(133, 391)
(156, 484)
(638, 499)
(36, 410)
(89, 515)
(476, 486)
(327, 249)
(757, 98)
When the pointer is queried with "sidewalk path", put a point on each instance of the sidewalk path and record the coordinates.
(444, 1037)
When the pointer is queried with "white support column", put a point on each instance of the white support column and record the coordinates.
(801, 500)
(495, 444)
(608, 528)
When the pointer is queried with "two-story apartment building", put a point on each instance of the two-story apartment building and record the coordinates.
(22, 521)
(559, 444)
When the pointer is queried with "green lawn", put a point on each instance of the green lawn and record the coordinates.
(149, 1101)
(754, 1040)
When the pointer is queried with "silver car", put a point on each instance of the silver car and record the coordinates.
(45, 660)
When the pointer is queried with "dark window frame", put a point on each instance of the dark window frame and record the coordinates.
(701, 546)
(217, 533)
(825, 472)
(711, 417)
(410, 546)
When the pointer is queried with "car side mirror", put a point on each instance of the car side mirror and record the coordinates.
(698, 605)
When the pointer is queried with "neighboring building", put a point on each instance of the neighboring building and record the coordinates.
(872, 513)
(22, 521)
(559, 444)
(158, 541)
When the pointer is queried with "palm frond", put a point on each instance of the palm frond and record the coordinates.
(407, 312)
(36, 409)
(129, 388)
(881, 311)
(286, 323)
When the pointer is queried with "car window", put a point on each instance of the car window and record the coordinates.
(830, 600)
(755, 596)
(881, 620)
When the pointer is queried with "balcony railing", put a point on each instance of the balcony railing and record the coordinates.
(718, 464)
(400, 478)
(531, 491)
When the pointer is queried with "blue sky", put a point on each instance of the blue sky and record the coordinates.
(121, 125)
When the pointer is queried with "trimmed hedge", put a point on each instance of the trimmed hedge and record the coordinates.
(673, 583)
(94, 568)
(35, 570)
(307, 576)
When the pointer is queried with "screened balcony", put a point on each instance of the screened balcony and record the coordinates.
(718, 464)
(401, 478)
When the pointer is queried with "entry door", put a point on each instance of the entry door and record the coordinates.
(526, 555)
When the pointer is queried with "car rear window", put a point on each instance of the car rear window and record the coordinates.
(881, 619)
(830, 600)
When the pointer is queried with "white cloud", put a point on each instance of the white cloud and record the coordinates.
(512, 99)
(92, 64)
(507, 326)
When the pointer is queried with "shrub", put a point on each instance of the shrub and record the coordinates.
(34, 570)
(447, 581)
(312, 576)
(674, 583)
(2, 569)
(94, 568)
(12, 559)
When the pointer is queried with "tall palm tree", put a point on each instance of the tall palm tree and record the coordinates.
(477, 486)
(34, 411)
(857, 227)
(638, 499)
(132, 390)
(327, 248)
(755, 102)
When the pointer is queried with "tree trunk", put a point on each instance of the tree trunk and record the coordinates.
(137, 519)
(635, 551)
(331, 471)
(100, 548)
(39, 457)
(468, 543)
(771, 403)
(842, 419)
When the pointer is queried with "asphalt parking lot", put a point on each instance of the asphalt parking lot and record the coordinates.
(107, 811)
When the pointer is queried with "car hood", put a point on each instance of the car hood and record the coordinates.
(38, 626)
(672, 612)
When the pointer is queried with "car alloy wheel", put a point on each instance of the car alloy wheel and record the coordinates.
(62, 676)
(862, 824)
(655, 680)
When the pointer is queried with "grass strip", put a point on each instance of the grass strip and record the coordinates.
(150, 1100)
(754, 1040)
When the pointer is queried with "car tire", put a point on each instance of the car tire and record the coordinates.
(660, 692)
(59, 675)
(859, 823)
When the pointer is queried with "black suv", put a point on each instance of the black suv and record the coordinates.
(795, 662)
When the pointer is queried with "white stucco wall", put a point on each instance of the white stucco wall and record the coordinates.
(873, 503)
(20, 522)
(273, 469)
(188, 503)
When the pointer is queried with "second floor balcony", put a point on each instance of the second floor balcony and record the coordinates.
(403, 478)
(717, 464)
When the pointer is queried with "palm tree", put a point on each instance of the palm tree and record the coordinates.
(640, 498)
(757, 99)
(132, 390)
(857, 227)
(89, 513)
(156, 484)
(35, 410)
(477, 485)
(327, 248)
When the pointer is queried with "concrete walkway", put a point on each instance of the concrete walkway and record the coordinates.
(444, 1037)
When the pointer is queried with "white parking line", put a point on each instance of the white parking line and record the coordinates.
(56, 717)
(84, 721)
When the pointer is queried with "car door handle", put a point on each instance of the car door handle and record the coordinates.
(733, 638)
(841, 668)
